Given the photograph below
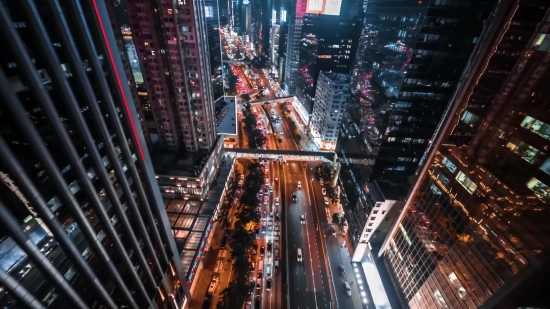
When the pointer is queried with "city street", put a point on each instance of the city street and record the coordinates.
(307, 275)
(336, 248)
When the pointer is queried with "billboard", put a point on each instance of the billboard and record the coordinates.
(325, 7)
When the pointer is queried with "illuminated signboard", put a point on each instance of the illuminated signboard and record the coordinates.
(324, 56)
(325, 7)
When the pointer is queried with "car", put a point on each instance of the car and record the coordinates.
(325, 199)
(321, 182)
(303, 219)
(276, 179)
(238, 193)
(259, 284)
(248, 305)
(271, 214)
(262, 251)
(213, 285)
(269, 246)
(324, 191)
(348, 289)
(266, 191)
(277, 218)
(299, 184)
(281, 132)
(263, 229)
(257, 302)
(264, 214)
(257, 230)
(267, 179)
(268, 284)
(333, 230)
(294, 197)
(240, 183)
(235, 201)
(276, 264)
(266, 200)
(276, 201)
(342, 270)
(251, 286)
(242, 176)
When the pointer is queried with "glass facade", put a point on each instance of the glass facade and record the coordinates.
(474, 233)
(75, 176)
(413, 54)
(328, 43)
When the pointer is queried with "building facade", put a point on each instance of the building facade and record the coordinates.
(331, 96)
(328, 43)
(171, 40)
(84, 225)
(474, 232)
(212, 22)
(416, 52)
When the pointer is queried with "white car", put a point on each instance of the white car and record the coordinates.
(299, 185)
(326, 200)
(321, 182)
(324, 191)
(303, 219)
(277, 201)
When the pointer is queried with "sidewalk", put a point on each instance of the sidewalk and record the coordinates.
(306, 143)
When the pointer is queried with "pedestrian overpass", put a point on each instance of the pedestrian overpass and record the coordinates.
(294, 155)
(272, 101)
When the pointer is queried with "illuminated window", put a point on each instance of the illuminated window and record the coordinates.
(448, 164)
(536, 126)
(466, 182)
(524, 150)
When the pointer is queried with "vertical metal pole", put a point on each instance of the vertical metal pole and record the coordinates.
(10, 163)
(41, 261)
(76, 65)
(20, 292)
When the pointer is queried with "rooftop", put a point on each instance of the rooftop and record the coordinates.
(173, 164)
(226, 119)
(383, 190)
(337, 77)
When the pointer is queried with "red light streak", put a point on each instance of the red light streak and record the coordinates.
(129, 115)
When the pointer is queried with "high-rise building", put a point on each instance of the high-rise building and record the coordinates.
(172, 43)
(416, 52)
(83, 224)
(212, 22)
(328, 44)
(296, 12)
(474, 231)
(330, 97)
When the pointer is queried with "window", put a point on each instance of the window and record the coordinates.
(369, 230)
(370, 224)
(448, 164)
(373, 218)
(375, 212)
(466, 182)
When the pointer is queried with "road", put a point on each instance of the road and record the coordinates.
(337, 254)
(308, 279)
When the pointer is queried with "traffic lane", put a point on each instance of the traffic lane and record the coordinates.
(276, 289)
(295, 269)
(322, 296)
(333, 250)
(332, 247)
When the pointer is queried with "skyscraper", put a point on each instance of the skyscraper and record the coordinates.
(83, 225)
(172, 42)
(416, 52)
(328, 44)
(212, 22)
(474, 232)
(331, 95)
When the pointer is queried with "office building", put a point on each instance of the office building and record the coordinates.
(416, 53)
(172, 44)
(328, 43)
(83, 221)
(330, 98)
(212, 22)
(474, 231)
